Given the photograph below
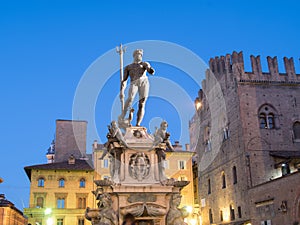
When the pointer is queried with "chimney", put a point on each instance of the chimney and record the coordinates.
(71, 160)
(2, 196)
(187, 147)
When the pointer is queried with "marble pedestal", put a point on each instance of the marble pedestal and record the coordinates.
(138, 187)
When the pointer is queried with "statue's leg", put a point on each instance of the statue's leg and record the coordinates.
(141, 111)
(131, 94)
(143, 95)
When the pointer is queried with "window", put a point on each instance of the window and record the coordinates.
(211, 219)
(223, 180)
(266, 222)
(263, 121)
(61, 203)
(80, 221)
(182, 178)
(81, 203)
(267, 121)
(296, 130)
(240, 212)
(41, 182)
(182, 165)
(105, 163)
(209, 186)
(221, 216)
(82, 183)
(232, 215)
(270, 121)
(207, 141)
(226, 133)
(285, 169)
(61, 182)
(60, 222)
(40, 202)
(266, 117)
(234, 175)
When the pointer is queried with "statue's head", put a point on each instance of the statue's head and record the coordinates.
(104, 201)
(114, 124)
(164, 125)
(138, 55)
(176, 199)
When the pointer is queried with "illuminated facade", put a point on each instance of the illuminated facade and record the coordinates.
(249, 156)
(60, 192)
(9, 214)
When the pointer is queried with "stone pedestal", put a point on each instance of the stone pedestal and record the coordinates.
(138, 185)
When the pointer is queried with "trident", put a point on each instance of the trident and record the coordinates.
(121, 49)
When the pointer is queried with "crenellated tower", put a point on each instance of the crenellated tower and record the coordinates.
(249, 141)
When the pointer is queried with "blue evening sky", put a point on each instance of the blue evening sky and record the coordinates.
(46, 46)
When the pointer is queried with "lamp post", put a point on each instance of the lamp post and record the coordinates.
(48, 212)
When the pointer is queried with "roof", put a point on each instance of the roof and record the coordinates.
(5, 203)
(79, 165)
(286, 154)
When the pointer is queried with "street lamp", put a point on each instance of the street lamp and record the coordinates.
(198, 104)
(48, 211)
(50, 221)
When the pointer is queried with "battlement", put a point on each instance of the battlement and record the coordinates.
(234, 64)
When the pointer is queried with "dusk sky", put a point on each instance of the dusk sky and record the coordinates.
(46, 47)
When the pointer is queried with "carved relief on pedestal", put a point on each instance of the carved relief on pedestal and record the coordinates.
(139, 166)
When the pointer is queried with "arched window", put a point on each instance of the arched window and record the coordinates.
(262, 121)
(270, 122)
(41, 182)
(82, 183)
(234, 175)
(40, 202)
(267, 117)
(61, 182)
(296, 130)
(223, 180)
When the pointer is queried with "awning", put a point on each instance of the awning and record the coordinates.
(286, 154)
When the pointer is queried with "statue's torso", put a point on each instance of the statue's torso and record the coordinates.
(137, 70)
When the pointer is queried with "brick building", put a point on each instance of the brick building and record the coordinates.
(9, 214)
(248, 143)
